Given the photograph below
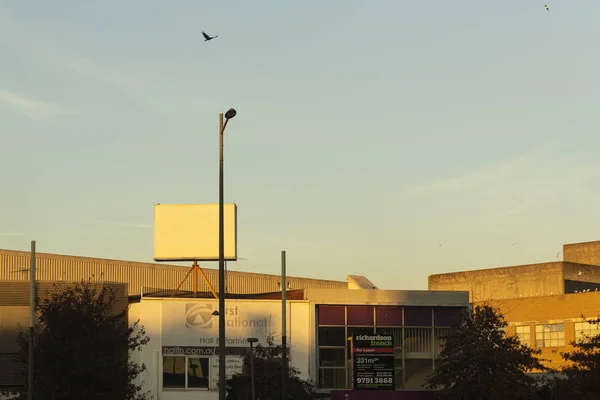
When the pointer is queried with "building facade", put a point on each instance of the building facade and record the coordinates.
(183, 363)
(547, 305)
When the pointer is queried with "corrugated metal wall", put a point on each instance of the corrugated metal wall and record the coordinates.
(14, 266)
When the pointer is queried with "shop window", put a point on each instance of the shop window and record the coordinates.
(417, 340)
(389, 316)
(440, 339)
(586, 330)
(360, 315)
(417, 316)
(416, 373)
(332, 357)
(332, 315)
(332, 336)
(447, 316)
(550, 335)
(332, 378)
(180, 372)
(523, 333)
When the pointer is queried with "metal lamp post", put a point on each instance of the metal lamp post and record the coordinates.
(252, 340)
(222, 394)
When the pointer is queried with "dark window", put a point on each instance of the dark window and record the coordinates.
(331, 336)
(198, 373)
(447, 316)
(332, 315)
(360, 315)
(389, 316)
(416, 372)
(331, 358)
(417, 316)
(175, 369)
(332, 378)
(173, 372)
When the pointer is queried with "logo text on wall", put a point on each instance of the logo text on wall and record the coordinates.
(201, 316)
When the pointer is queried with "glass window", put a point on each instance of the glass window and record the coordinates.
(417, 340)
(332, 315)
(175, 369)
(440, 339)
(331, 357)
(417, 316)
(524, 334)
(197, 373)
(329, 336)
(417, 372)
(360, 315)
(332, 378)
(173, 372)
(447, 316)
(389, 316)
(586, 330)
(550, 335)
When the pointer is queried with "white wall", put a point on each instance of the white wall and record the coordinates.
(185, 326)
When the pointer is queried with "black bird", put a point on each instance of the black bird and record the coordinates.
(547, 8)
(207, 38)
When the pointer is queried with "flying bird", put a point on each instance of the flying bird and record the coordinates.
(547, 8)
(207, 38)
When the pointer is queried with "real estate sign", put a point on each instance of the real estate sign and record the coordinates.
(373, 362)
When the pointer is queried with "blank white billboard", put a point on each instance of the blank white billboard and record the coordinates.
(189, 232)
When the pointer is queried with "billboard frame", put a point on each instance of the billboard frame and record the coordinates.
(184, 220)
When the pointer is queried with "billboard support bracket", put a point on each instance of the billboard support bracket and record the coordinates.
(195, 269)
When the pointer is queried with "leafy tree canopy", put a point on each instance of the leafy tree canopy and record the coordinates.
(81, 347)
(583, 370)
(479, 361)
(268, 376)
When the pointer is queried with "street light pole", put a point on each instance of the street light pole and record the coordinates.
(222, 394)
(252, 341)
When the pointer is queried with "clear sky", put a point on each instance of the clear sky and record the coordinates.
(368, 133)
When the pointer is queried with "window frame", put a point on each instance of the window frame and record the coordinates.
(587, 333)
(544, 338)
(185, 388)
(520, 337)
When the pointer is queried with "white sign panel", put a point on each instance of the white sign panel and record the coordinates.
(191, 322)
(190, 232)
(233, 365)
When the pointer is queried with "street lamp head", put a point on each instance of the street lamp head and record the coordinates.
(230, 113)
(252, 340)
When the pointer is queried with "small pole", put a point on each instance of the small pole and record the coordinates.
(283, 329)
(252, 370)
(31, 320)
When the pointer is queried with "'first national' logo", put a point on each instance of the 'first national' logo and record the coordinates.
(198, 315)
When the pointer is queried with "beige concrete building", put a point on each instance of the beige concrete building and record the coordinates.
(542, 303)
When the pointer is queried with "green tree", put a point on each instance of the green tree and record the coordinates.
(82, 347)
(267, 375)
(583, 370)
(479, 361)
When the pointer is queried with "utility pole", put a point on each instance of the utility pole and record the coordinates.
(284, 374)
(31, 320)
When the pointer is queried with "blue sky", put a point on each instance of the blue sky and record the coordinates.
(368, 133)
